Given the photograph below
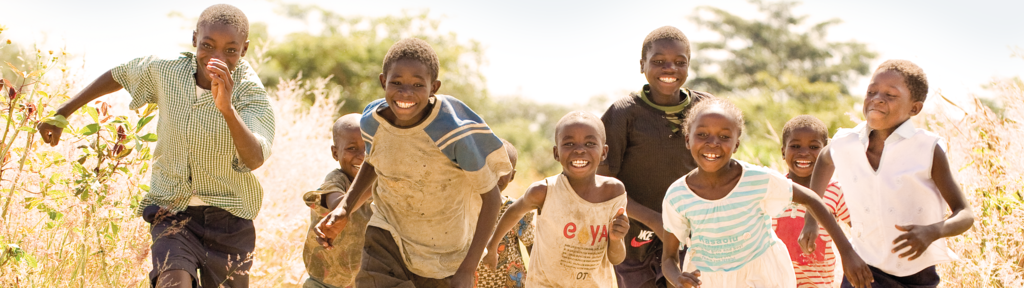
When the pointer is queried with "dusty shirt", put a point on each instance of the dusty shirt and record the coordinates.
(336, 267)
(429, 181)
(195, 154)
(647, 156)
(571, 248)
(510, 271)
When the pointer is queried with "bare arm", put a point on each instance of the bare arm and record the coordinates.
(249, 150)
(532, 200)
(856, 270)
(330, 226)
(646, 216)
(488, 214)
(103, 85)
(919, 237)
(820, 177)
(617, 231)
(670, 264)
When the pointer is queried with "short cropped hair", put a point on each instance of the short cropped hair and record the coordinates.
(702, 106)
(227, 15)
(913, 76)
(412, 48)
(344, 124)
(513, 153)
(665, 32)
(583, 117)
(805, 122)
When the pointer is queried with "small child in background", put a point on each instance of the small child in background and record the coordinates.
(897, 209)
(510, 271)
(580, 234)
(337, 267)
(722, 210)
(802, 139)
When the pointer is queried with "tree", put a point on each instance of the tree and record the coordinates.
(779, 68)
(351, 50)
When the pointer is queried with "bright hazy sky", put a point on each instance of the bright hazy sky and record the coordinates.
(561, 51)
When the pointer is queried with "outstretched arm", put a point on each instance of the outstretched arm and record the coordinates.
(533, 199)
(856, 270)
(330, 226)
(919, 237)
(103, 85)
(820, 177)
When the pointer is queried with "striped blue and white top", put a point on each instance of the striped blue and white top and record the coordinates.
(727, 233)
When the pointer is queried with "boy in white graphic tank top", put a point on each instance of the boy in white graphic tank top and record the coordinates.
(579, 239)
(895, 177)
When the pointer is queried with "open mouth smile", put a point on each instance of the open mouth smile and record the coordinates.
(803, 164)
(666, 79)
(579, 163)
(711, 157)
(404, 105)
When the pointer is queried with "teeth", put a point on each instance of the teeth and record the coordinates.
(711, 157)
(668, 79)
(404, 105)
(580, 163)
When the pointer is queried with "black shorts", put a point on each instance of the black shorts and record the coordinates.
(206, 239)
(926, 278)
(646, 273)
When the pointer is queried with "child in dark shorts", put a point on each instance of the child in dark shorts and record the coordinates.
(646, 149)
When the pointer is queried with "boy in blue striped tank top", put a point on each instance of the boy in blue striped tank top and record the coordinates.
(722, 210)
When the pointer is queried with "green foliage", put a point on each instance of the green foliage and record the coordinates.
(781, 68)
(351, 50)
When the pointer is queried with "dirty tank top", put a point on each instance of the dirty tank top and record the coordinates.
(571, 239)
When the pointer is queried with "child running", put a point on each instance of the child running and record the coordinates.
(722, 211)
(802, 139)
(432, 165)
(510, 270)
(897, 177)
(216, 126)
(581, 217)
(337, 267)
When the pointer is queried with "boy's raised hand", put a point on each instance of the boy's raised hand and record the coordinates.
(619, 225)
(918, 238)
(330, 226)
(687, 279)
(222, 85)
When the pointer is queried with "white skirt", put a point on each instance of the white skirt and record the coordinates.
(773, 269)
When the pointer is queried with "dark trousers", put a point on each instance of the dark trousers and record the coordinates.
(382, 264)
(205, 238)
(927, 278)
(646, 273)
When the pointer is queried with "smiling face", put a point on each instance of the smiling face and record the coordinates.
(801, 151)
(665, 66)
(888, 102)
(712, 138)
(408, 86)
(348, 149)
(580, 148)
(218, 41)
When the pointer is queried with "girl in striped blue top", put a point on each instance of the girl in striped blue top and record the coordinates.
(722, 210)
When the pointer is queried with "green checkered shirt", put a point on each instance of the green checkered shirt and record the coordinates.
(195, 154)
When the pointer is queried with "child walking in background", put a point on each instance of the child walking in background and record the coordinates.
(510, 270)
(896, 177)
(433, 167)
(802, 140)
(581, 217)
(337, 267)
(646, 150)
(722, 210)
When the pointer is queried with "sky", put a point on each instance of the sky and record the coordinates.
(560, 51)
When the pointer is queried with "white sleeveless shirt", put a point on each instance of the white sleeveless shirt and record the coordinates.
(900, 192)
(571, 239)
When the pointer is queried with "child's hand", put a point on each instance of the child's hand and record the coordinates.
(222, 85)
(918, 238)
(330, 227)
(619, 225)
(687, 279)
(490, 259)
(856, 270)
(807, 238)
(463, 279)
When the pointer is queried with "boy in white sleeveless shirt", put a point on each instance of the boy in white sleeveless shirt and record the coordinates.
(895, 177)
(580, 220)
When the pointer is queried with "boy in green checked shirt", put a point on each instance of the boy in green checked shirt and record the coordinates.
(215, 126)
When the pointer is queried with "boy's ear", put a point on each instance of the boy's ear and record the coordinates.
(245, 47)
(435, 86)
(512, 175)
(916, 108)
(382, 78)
(554, 151)
(686, 141)
(334, 152)
(195, 33)
(604, 153)
(641, 66)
